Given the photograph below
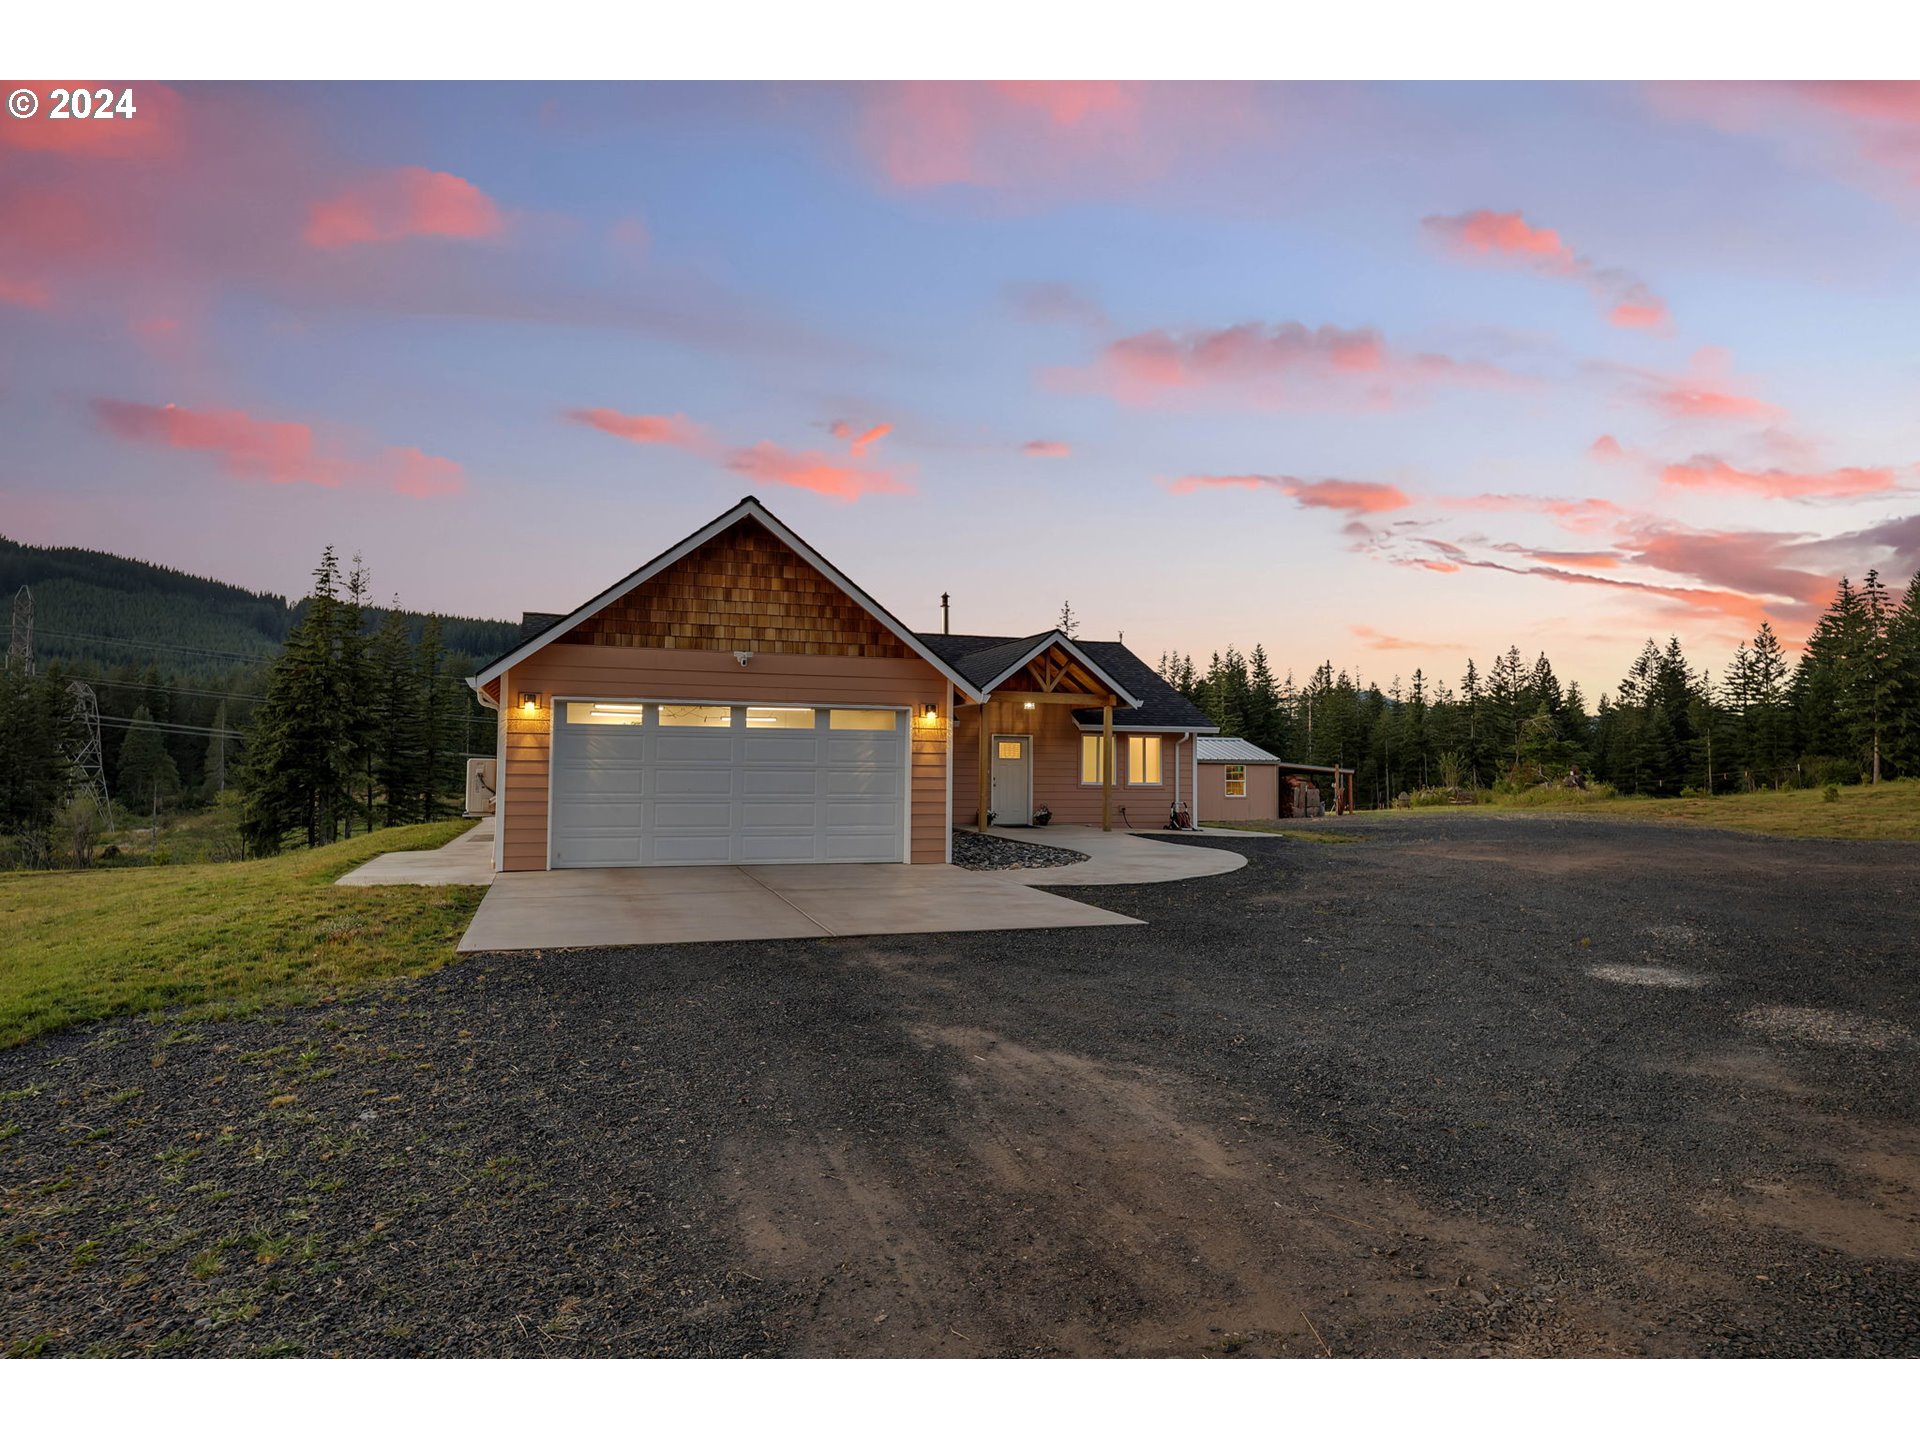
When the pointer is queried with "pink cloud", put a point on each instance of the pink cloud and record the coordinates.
(1491, 232)
(1378, 640)
(858, 442)
(1707, 472)
(26, 294)
(1045, 137)
(675, 430)
(1859, 129)
(1047, 449)
(401, 203)
(631, 235)
(811, 470)
(1708, 391)
(280, 452)
(1506, 237)
(1607, 448)
(1354, 497)
(1581, 517)
(1267, 365)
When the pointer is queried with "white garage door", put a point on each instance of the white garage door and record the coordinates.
(662, 783)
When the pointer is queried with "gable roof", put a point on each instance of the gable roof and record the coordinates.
(748, 508)
(1231, 749)
(1158, 706)
(992, 666)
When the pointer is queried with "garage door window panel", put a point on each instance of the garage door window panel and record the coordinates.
(696, 717)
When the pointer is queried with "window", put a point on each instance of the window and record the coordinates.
(779, 717)
(1090, 760)
(604, 712)
(707, 717)
(1011, 749)
(1236, 780)
(863, 720)
(1143, 759)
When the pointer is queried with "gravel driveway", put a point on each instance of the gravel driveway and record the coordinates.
(1482, 1085)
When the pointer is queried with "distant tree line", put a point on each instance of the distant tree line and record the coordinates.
(1847, 711)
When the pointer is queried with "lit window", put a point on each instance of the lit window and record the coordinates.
(704, 717)
(1011, 749)
(1143, 759)
(1236, 780)
(863, 720)
(604, 712)
(778, 717)
(1090, 747)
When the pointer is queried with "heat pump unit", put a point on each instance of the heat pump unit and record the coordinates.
(482, 776)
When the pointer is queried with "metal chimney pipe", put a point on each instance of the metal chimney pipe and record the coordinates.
(946, 619)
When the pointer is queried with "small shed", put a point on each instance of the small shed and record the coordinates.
(1238, 780)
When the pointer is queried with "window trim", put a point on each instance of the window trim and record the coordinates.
(1232, 780)
(1112, 757)
(1159, 760)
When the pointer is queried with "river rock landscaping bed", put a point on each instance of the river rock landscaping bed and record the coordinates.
(974, 851)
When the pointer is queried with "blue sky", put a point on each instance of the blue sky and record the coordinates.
(1322, 366)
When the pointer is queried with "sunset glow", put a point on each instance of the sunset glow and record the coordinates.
(1369, 373)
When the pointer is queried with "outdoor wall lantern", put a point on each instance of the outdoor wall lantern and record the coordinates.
(1026, 705)
(929, 713)
(529, 702)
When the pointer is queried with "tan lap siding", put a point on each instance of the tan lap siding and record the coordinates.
(614, 671)
(1261, 802)
(1056, 768)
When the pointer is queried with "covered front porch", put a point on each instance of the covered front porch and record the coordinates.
(1051, 741)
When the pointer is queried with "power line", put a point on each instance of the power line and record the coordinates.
(127, 722)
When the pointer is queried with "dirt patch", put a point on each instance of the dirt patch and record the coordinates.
(1826, 1027)
(1661, 977)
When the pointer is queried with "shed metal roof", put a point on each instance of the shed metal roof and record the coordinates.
(1231, 750)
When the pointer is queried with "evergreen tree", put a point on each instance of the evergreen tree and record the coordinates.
(1067, 623)
(443, 723)
(36, 736)
(299, 752)
(398, 743)
(148, 775)
(1903, 660)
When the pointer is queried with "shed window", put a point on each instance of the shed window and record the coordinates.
(1236, 780)
(1143, 759)
(1090, 760)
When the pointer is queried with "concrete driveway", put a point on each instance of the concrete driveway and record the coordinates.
(569, 909)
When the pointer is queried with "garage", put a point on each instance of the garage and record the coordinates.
(668, 782)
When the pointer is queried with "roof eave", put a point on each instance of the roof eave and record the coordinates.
(1046, 642)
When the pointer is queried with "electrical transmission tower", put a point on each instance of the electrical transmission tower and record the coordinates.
(89, 763)
(20, 643)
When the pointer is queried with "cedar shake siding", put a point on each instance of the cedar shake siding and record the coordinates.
(745, 589)
(1056, 767)
(1261, 802)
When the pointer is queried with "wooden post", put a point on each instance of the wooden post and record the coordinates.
(986, 775)
(1107, 758)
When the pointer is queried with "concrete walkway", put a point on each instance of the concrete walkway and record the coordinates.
(465, 860)
(1115, 857)
(565, 909)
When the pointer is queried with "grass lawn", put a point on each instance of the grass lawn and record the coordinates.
(85, 944)
(1888, 811)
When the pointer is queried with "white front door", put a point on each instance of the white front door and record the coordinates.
(1012, 797)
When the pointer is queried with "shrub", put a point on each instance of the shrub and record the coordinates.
(1831, 794)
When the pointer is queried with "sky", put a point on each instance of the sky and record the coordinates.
(1383, 374)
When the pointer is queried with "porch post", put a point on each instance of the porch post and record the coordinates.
(985, 775)
(1107, 759)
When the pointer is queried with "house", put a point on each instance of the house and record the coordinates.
(1240, 781)
(738, 700)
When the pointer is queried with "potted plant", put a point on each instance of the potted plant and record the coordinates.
(1042, 815)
